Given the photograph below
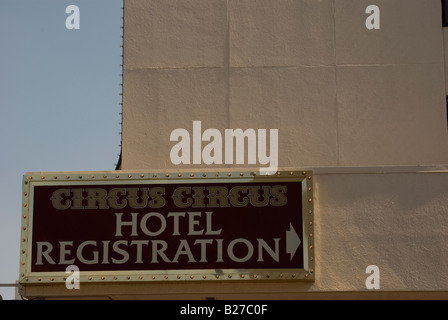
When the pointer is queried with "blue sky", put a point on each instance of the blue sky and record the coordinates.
(59, 101)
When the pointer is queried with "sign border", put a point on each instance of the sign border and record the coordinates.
(305, 177)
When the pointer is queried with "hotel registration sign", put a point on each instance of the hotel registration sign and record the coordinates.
(201, 226)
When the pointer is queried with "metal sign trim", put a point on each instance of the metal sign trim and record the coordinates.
(31, 180)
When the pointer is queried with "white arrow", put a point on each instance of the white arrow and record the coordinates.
(292, 241)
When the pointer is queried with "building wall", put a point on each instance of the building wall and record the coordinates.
(365, 109)
(340, 94)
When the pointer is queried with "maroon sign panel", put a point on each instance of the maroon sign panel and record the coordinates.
(167, 226)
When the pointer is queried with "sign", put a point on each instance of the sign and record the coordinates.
(119, 226)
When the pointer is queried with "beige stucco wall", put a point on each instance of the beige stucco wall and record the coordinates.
(395, 218)
(340, 95)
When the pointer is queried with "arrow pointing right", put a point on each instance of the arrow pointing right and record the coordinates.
(292, 241)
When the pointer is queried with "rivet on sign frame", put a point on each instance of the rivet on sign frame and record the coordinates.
(191, 277)
(167, 175)
(130, 176)
(291, 173)
(304, 173)
(192, 175)
(179, 175)
(142, 175)
(279, 173)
